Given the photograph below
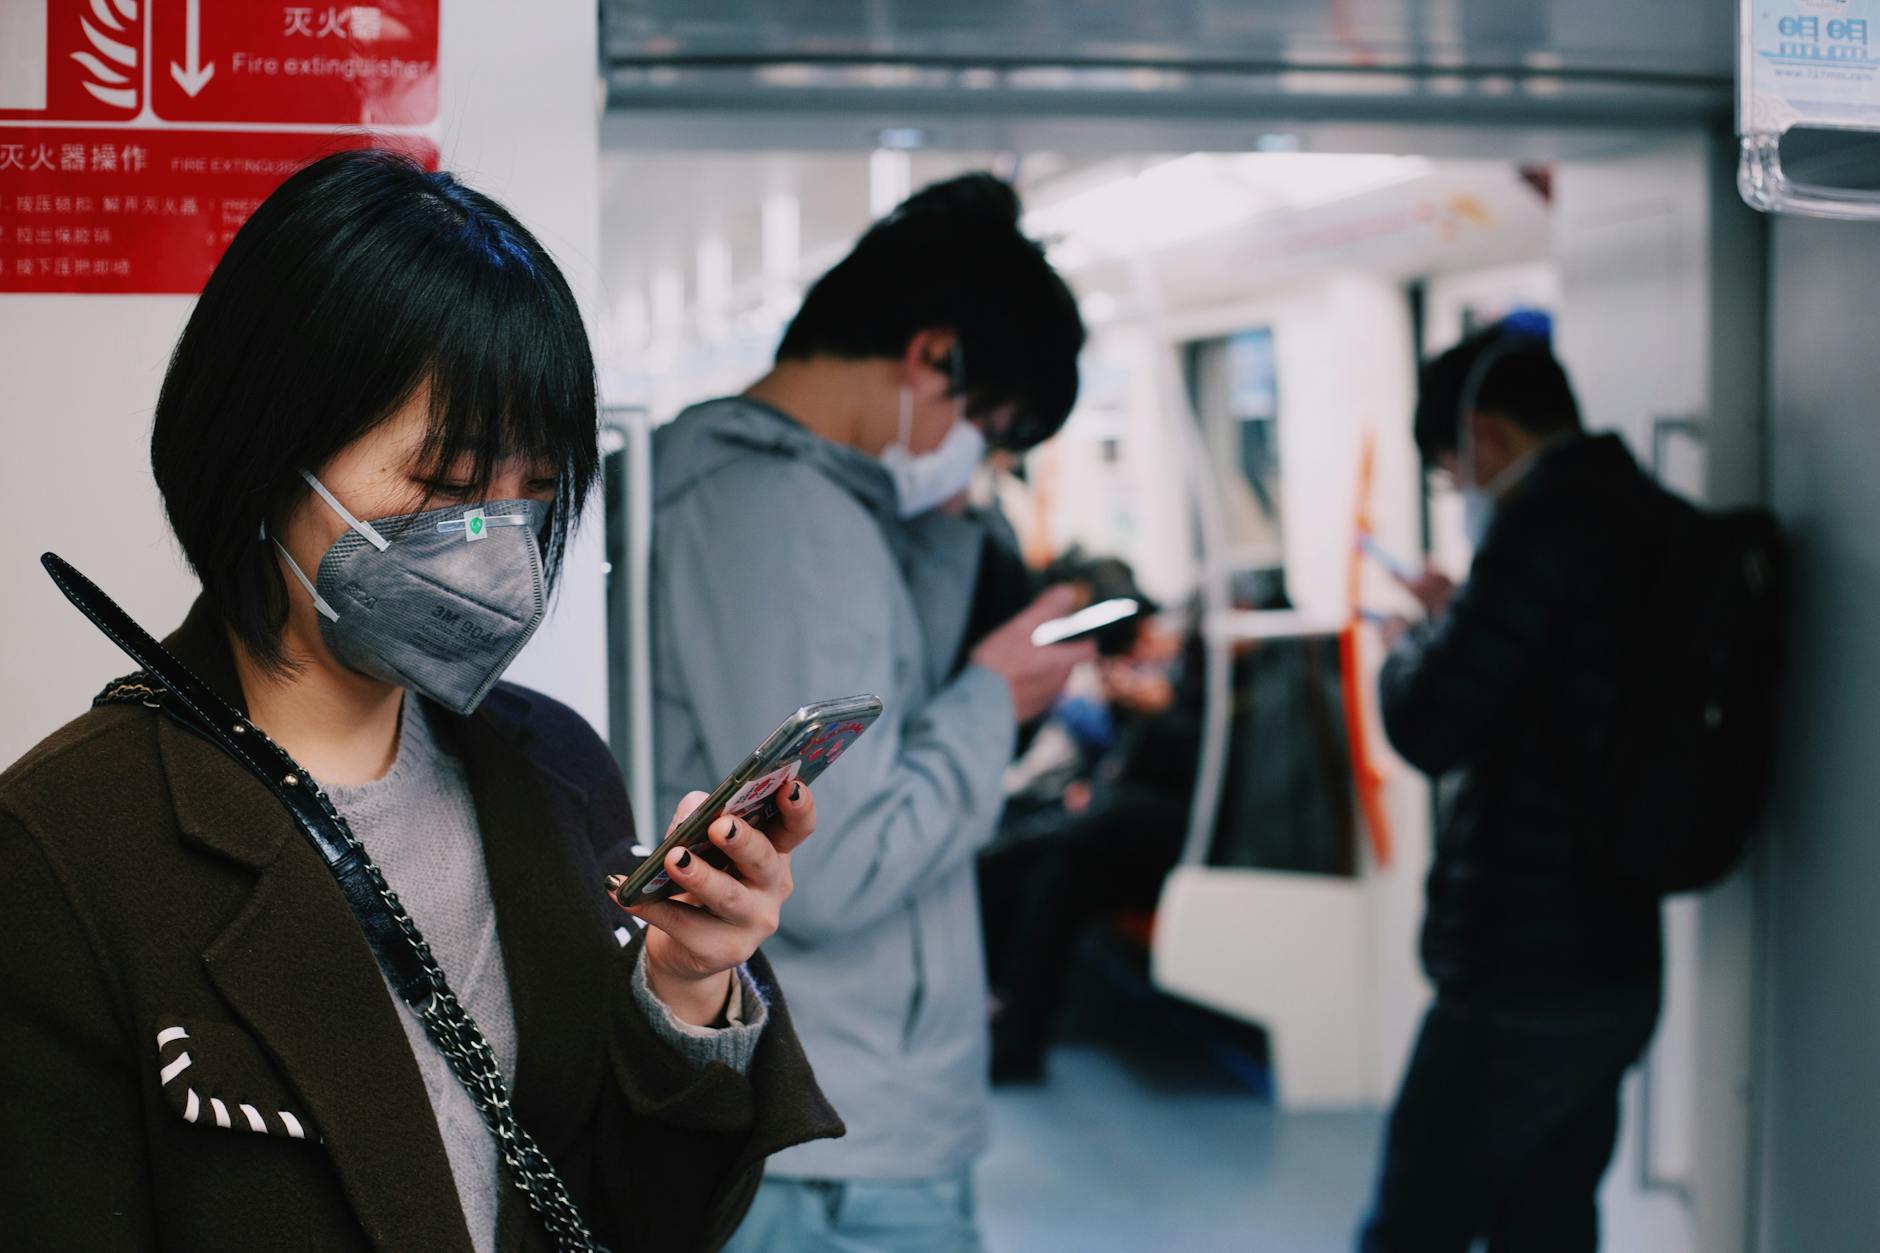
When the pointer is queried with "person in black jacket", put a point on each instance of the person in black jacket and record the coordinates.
(1546, 964)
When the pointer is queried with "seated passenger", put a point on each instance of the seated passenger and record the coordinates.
(373, 439)
(1099, 832)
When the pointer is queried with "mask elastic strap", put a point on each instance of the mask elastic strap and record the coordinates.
(364, 528)
(907, 419)
(319, 602)
(1504, 343)
(959, 384)
(1465, 408)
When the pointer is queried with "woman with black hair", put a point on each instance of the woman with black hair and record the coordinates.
(373, 438)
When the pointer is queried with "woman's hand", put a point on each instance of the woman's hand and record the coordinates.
(696, 939)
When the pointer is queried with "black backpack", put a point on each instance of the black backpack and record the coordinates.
(1695, 741)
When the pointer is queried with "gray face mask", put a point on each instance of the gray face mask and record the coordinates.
(439, 602)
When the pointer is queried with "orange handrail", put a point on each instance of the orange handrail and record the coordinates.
(1366, 778)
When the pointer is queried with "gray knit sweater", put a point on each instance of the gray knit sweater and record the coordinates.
(420, 826)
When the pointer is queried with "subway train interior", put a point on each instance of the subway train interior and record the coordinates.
(1271, 214)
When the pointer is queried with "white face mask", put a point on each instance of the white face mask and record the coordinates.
(1478, 512)
(1479, 501)
(925, 481)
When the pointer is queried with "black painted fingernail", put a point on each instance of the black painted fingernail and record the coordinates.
(685, 859)
(796, 793)
(732, 833)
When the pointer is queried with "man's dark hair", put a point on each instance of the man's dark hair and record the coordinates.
(360, 281)
(952, 257)
(1506, 369)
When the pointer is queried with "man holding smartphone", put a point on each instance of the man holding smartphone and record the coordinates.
(1544, 957)
(800, 553)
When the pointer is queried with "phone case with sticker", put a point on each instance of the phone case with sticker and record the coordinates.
(804, 745)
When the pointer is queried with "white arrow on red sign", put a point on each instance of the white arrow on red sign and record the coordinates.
(194, 78)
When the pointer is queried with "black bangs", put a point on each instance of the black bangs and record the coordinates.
(360, 283)
(510, 375)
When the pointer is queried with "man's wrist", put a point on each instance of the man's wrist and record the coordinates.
(1005, 682)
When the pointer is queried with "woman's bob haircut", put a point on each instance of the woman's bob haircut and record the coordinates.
(362, 281)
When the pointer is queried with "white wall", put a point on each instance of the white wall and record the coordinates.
(1139, 507)
(79, 378)
(1485, 293)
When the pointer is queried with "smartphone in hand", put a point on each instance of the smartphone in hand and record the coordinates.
(1085, 622)
(804, 745)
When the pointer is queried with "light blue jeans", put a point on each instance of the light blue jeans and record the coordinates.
(860, 1216)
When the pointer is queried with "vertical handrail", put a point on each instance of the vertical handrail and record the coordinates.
(641, 784)
(626, 434)
(1216, 601)
(1650, 1181)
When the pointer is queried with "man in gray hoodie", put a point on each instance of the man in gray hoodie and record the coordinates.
(799, 554)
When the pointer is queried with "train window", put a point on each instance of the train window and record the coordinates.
(1233, 382)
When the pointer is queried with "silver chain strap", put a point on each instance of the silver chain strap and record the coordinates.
(451, 1028)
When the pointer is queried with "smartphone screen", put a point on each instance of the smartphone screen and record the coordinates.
(804, 745)
(1085, 621)
(1398, 567)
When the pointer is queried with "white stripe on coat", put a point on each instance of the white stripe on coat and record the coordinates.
(174, 1069)
(255, 1120)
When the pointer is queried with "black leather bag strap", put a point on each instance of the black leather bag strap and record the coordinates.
(198, 708)
(396, 942)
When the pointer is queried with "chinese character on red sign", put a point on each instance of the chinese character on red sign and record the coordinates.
(342, 65)
(141, 210)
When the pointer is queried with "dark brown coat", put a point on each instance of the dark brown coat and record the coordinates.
(147, 882)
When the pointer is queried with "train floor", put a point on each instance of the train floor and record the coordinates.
(1154, 1130)
(1098, 1160)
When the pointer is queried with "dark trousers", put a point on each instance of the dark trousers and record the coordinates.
(1039, 890)
(1506, 1121)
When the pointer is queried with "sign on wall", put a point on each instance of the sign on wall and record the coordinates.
(141, 209)
(347, 65)
(137, 135)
